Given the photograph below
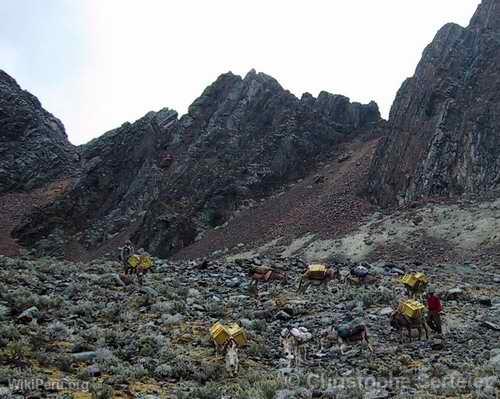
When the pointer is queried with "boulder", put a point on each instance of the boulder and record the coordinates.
(495, 363)
(386, 311)
(454, 293)
(29, 315)
(485, 301)
(4, 312)
(84, 356)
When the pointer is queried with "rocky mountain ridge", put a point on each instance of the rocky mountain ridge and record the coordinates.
(34, 148)
(168, 182)
(443, 128)
(163, 180)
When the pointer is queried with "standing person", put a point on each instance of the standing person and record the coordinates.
(435, 308)
(126, 252)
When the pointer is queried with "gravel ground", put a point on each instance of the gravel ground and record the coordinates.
(84, 330)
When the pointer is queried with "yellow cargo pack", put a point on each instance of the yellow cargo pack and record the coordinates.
(219, 334)
(411, 309)
(412, 280)
(317, 271)
(146, 262)
(421, 277)
(238, 334)
(134, 260)
(222, 334)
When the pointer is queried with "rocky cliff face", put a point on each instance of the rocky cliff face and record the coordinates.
(165, 181)
(120, 178)
(34, 149)
(241, 139)
(444, 126)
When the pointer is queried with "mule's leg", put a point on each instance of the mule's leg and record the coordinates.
(301, 281)
(409, 333)
(296, 354)
(300, 359)
(302, 354)
(342, 345)
(424, 324)
(366, 339)
(253, 288)
(325, 284)
(419, 328)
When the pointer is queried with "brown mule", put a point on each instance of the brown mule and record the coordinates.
(400, 322)
(264, 276)
(359, 336)
(309, 278)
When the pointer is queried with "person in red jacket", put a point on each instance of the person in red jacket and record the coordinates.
(435, 308)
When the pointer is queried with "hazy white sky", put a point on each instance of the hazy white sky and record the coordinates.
(98, 63)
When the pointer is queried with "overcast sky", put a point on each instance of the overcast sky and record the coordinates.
(98, 63)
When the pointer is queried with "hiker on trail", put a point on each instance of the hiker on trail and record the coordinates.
(126, 252)
(435, 308)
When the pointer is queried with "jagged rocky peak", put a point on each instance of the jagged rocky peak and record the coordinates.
(232, 96)
(341, 111)
(34, 148)
(242, 138)
(164, 181)
(230, 90)
(487, 16)
(444, 126)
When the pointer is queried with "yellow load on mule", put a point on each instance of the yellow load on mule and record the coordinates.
(317, 271)
(411, 309)
(414, 280)
(238, 334)
(134, 260)
(221, 334)
(144, 262)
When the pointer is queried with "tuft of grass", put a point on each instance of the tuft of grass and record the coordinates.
(57, 331)
(101, 391)
(15, 351)
(209, 391)
(261, 388)
(256, 349)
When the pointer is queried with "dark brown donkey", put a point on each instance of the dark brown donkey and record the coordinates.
(264, 275)
(400, 322)
(310, 277)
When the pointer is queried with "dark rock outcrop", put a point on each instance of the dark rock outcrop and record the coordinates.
(243, 138)
(34, 149)
(164, 181)
(444, 126)
(120, 178)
